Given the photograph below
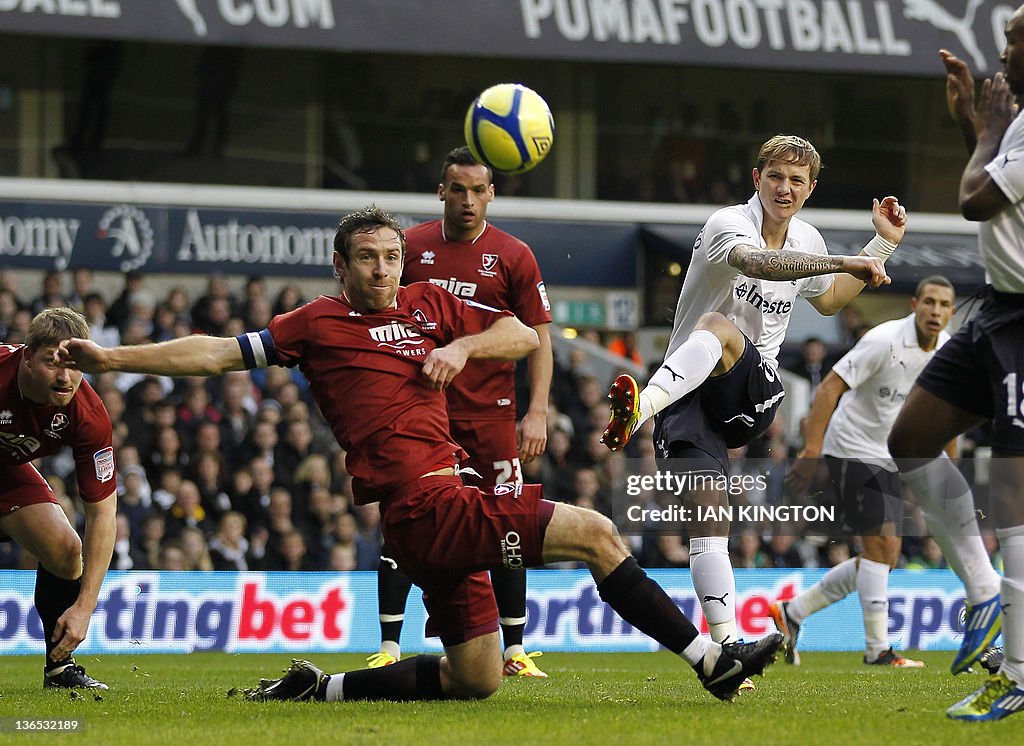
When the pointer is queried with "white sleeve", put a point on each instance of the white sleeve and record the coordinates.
(865, 359)
(1007, 168)
(724, 230)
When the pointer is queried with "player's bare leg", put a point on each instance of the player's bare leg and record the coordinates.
(43, 530)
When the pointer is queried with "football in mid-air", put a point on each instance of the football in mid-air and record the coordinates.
(510, 128)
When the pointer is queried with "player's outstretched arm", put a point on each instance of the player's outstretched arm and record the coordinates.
(197, 355)
(508, 338)
(97, 549)
(889, 219)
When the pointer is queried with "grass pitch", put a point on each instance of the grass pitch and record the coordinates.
(650, 698)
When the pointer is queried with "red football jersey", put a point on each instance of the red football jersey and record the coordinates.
(365, 371)
(498, 270)
(29, 430)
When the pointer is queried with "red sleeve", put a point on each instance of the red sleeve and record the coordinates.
(93, 451)
(527, 292)
(290, 332)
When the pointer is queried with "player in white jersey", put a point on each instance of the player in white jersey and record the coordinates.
(718, 387)
(979, 376)
(850, 419)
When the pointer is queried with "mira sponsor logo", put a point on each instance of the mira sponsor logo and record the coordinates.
(456, 287)
(21, 445)
(404, 339)
(751, 293)
(241, 243)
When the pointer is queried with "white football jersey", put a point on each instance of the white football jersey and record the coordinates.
(760, 308)
(880, 369)
(1001, 239)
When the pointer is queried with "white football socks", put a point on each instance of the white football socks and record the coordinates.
(873, 589)
(701, 647)
(948, 507)
(1011, 542)
(836, 584)
(713, 579)
(683, 371)
(335, 690)
(392, 648)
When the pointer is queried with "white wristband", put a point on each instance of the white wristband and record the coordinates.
(879, 247)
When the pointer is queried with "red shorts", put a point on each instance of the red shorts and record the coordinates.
(493, 450)
(22, 485)
(445, 536)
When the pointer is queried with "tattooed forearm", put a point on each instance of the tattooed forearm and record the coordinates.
(764, 264)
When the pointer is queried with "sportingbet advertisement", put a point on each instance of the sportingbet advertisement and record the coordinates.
(181, 612)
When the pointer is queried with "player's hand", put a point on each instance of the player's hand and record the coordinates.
(69, 632)
(867, 269)
(533, 436)
(997, 107)
(959, 89)
(82, 354)
(799, 476)
(444, 363)
(889, 218)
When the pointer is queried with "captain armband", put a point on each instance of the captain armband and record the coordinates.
(258, 350)
(880, 248)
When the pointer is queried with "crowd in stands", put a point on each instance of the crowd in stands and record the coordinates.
(242, 473)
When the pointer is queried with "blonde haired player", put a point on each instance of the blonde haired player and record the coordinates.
(718, 387)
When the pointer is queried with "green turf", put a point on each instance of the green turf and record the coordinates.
(616, 698)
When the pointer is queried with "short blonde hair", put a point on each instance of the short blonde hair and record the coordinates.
(53, 325)
(790, 149)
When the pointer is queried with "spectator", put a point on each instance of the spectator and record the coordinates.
(291, 553)
(813, 362)
(229, 547)
(150, 542)
(172, 557)
(52, 295)
(125, 556)
(197, 554)
(134, 496)
(625, 345)
(747, 551)
(95, 312)
(288, 299)
(342, 559)
(186, 512)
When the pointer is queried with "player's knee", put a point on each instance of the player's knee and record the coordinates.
(479, 684)
(603, 539)
(63, 557)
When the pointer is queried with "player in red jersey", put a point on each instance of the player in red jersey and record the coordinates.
(378, 358)
(476, 261)
(44, 406)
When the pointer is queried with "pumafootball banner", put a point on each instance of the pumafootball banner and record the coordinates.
(182, 612)
(881, 36)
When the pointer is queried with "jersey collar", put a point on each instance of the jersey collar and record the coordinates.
(483, 229)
